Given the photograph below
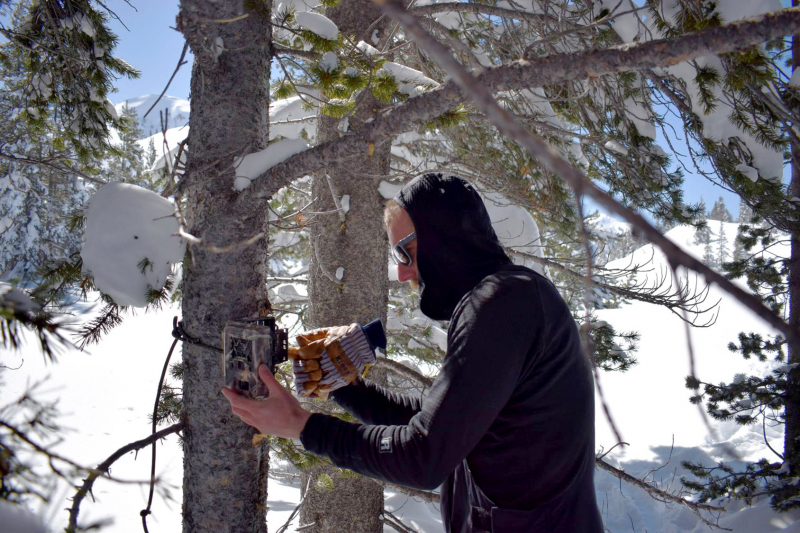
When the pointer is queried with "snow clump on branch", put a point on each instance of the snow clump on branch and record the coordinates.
(317, 24)
(253, 165)
(131, 242)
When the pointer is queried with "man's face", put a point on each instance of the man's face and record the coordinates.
(399, 227)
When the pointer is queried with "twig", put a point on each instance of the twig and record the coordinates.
(395, 523)
(228, 21)
(285, 526)
(196, 241)
(614, 446)
(336, 201)
(105, 465)
(315, 246)
(146, 511)
(305, 54)
(303, 281)
(700, 407)
(10, 368)
(181, 62)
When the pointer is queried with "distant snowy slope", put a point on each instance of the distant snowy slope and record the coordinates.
(165, 146)
(650, 403)
(178, 111)
(607, 226)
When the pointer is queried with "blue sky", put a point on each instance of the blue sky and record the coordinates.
(152, 46)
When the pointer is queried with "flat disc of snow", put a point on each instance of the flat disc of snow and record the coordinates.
(319, 24)
(126, 224)
(253, 165)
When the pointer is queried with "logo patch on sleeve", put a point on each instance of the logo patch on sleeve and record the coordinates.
(386, 445)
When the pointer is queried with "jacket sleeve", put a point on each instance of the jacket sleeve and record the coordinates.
(373, 404)
(489, 337)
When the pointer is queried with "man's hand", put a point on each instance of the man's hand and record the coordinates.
(279, 415)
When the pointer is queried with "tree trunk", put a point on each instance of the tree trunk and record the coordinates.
(225, 477)
(358, 245)
(792, 431)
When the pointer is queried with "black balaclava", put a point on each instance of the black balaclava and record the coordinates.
(456, 244)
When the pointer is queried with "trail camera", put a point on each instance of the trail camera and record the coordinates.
(248, 344)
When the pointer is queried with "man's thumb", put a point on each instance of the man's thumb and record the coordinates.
(267, 377)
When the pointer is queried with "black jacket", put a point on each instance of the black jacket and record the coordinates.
(514, 397)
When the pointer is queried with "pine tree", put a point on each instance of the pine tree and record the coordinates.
(40, 188)
(128, 163)
(745, 213)
(722, 246)
(720, 212)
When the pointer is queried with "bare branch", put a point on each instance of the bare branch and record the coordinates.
(424, 495)
(196, 241)
(181, 62)
(659, 292)
(103, 467)
(285, 526)
(662, 495)
(403, 371)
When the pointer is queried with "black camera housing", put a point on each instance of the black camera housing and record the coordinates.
(246, 345)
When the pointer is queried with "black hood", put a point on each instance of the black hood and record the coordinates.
(456, 244)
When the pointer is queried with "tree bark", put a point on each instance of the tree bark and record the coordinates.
(356, 242)
(225, 477)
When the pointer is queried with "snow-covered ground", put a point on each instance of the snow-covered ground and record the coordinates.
(106, 394)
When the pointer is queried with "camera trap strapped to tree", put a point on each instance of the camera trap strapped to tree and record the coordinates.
(247, 344)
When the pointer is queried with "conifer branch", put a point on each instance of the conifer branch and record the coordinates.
(660, 293)
(305, 54)
(49, 163)
(553, 69)
(551, 160)
(103, 467)
(109, 318)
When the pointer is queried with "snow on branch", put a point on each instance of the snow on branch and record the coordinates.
(553, 69)
(483, 9)
(481, 96)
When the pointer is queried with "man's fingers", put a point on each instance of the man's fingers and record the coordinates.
(268, 379)
(238, 401)
(241, 413)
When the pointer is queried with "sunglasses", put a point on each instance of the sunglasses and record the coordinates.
(399, 253)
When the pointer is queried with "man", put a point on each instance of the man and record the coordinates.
(507, 429)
